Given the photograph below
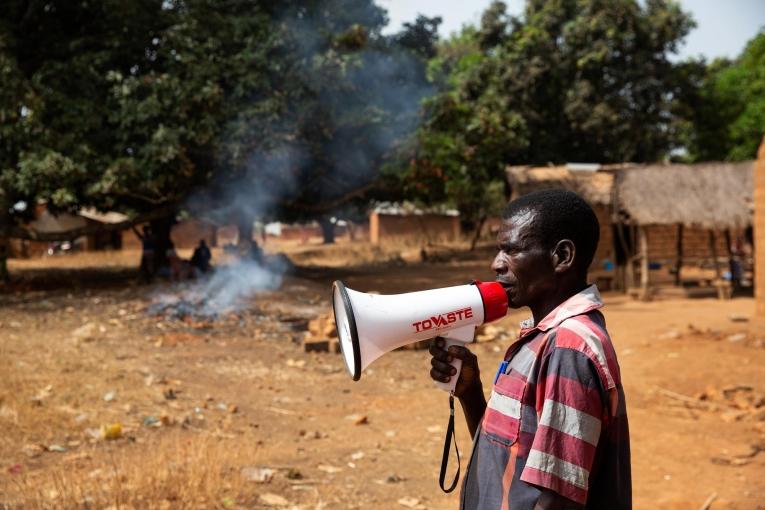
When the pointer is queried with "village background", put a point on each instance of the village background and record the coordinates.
(312, 141)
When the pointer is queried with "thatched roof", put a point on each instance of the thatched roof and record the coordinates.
(593, 184)
(708, 195)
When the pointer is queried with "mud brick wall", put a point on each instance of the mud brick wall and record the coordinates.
(425, 227)
(662, 243)
(759, 231)
(606, 244)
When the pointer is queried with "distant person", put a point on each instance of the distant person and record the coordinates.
(255, 253)
(148, 246)
(178, 269)
(200, 259)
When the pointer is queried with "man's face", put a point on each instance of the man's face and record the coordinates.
(523, 266)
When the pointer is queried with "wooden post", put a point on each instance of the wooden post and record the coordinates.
(679, 260)
(644, 280)
(713, 249)
(731, 259)
(759, 233)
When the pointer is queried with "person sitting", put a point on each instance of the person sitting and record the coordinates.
(200, 259)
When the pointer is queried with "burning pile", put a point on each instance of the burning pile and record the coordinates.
(225, 293)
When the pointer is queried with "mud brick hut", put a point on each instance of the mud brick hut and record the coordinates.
(394, 222)
(47, 223)
(657, 219)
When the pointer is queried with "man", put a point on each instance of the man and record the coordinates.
(200, 259)
(147, 253)
(554, 432)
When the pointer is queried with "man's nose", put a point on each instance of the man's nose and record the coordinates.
(499, 265)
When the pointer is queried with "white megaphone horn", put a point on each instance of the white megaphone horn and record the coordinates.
(369, 325)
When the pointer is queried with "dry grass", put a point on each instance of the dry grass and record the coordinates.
(181, 470)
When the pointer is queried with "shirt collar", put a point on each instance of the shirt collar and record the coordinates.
(584, 302)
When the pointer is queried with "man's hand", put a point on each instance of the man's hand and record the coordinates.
(469, 388)
(442, 371)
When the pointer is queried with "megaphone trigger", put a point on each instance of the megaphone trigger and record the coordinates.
(460, 337)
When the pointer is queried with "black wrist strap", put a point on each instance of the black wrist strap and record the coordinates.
(445, 457)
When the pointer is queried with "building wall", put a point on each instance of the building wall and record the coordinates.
(662, 242)
(759, 232)
(413, 227)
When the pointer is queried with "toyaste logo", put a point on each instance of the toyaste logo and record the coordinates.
(444, 319)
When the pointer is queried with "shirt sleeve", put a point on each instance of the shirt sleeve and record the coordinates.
(569, 411)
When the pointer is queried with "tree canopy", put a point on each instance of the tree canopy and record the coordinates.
(244, 106)
(726, 114)
(569, 80)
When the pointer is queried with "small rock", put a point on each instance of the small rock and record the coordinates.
(150, 421)
(329, 469)
(357, 456)
(738, 318)
(738, 337)
(56, 448)
(233, 409)
(111, 431)
(273, 500)
(670, 335)
(358, 419)
(393, 478)
(33, 450)
(409, 502)
(86, 333)
(257, 474)
(731, 416)
(294, 474)
(110, 396)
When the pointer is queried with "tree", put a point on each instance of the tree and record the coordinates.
(570, 80)
(726, 106)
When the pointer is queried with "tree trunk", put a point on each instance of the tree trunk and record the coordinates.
(327, 230)
(244, 226)
(477, 235)
(160, 230)
(679, 260)
(4, 243)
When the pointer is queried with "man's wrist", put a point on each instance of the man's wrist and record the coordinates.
(473, 392)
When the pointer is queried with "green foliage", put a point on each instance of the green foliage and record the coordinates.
(571, 80)
(725, 105)
(133, 105)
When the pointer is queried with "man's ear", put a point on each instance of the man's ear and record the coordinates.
(564, 255)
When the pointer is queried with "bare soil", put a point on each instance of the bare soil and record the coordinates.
(232, 413)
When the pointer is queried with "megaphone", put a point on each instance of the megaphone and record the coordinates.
(369, 325)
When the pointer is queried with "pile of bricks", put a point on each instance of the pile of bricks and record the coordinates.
(322, 335)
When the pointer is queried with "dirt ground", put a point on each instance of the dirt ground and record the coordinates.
(104, 405)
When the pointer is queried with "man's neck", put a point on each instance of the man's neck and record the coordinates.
(542, 309)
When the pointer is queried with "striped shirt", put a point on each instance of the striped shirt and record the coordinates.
(556, 418)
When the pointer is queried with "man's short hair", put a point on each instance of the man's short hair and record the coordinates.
(560, 214)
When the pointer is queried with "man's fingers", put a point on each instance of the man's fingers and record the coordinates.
(439, 353)
(460, 352)
(439, 376)
(444, 368)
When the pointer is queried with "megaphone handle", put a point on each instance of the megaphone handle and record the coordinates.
(456, 363)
